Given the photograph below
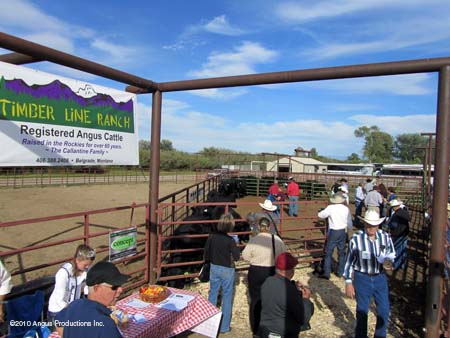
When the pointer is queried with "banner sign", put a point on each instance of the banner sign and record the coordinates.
(48, 120)
(122, 243)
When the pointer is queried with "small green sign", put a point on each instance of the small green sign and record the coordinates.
(122, 243)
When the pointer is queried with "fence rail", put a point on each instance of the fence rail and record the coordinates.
(45, 176)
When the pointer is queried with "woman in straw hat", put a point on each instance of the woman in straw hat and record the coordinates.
(398, 224)
(261, 252)
(368, 252)
(339, 222)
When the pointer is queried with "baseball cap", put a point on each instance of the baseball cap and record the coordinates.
(285, 261)
(105, 272)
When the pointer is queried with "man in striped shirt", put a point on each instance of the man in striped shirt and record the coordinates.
(370, 253)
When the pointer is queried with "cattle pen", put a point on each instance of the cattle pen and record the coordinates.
(435, 320)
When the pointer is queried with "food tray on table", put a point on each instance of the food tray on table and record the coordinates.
(153, 293)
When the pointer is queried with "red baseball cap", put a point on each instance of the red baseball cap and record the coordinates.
(285, 261)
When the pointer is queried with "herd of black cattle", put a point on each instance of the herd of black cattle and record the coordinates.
(205, 218)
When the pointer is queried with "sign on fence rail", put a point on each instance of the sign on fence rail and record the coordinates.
(122, 243)
(48, 120)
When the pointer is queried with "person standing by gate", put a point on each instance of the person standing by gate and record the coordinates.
(359, 203)
(293, 192)
(222, 253)
(370, 252)
(339, 222)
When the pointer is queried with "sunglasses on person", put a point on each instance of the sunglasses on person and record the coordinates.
(90, 254)
(112, 287)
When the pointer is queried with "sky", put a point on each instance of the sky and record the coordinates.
(170, 40)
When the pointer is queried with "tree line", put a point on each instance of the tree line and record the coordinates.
(379, 147)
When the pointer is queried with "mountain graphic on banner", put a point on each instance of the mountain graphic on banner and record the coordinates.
(59, 91)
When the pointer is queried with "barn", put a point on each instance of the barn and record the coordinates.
(295, 164)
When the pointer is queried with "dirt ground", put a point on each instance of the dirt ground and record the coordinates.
(334, 316)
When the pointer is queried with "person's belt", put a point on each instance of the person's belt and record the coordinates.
(369, 274)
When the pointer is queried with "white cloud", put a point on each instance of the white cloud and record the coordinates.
(35, 25)
(117, 54)
(411, 84)
(394, 125)
(393, 37)
(298, 13)
(220, 25)
(53, 40)
(24, 14)
(389, 25)
(192, 130)
(346, 107)
(241, 60)
(223, 94)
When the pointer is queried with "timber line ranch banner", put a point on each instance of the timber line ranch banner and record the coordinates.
(48, 120)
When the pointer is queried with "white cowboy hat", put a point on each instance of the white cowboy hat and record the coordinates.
(337, 198)
(268, 205)
(372, 217)
(395, 203)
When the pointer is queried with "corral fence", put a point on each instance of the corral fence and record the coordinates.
(33, 263)
(304, 235)
(20, 177)
(93, 227)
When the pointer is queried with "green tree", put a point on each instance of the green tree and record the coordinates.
(166, 145)
(378, 145)
(354, 157)
(314, 153)
(406, 148)
(144, 153)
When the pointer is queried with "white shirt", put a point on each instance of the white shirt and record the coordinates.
(67, 288)
(5, 280)
(339, 216)
(359, 193)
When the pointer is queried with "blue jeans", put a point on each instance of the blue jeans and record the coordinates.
(336, 238)
(400, 246)
(293, 207)
(367, 287)
(222, 277)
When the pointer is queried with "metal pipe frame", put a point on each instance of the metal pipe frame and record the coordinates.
(140, 85)
(41, 53)
(155, 145)
(433, 306)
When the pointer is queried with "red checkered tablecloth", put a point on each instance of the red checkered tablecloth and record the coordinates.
(165, 323)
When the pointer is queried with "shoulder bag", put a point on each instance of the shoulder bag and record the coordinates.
(204, 271)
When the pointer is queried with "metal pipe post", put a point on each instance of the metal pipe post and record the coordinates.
(154, 182)
(433, 309)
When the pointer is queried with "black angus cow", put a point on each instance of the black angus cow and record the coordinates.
(236, 187)
(199, 213)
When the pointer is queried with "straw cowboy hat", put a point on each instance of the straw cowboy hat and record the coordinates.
(337, 198)
(372, 217)
(268, 205)
(395, 203)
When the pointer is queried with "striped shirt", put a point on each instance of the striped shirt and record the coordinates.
(363, 252)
